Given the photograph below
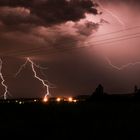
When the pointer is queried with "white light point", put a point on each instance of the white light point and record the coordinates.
(70, 99)
(58, 99)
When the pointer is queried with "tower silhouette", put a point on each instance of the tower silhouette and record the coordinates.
(99, 90)
(135, 89)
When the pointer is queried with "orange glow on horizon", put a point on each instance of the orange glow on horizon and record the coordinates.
(70, 99)
(45, 99)
(58, 99)
(74, 101)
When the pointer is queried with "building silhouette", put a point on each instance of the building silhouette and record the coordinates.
(98, 93)
(136, 91)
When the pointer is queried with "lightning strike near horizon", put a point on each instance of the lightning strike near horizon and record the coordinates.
(3, 81)
(33, 65)
(123, 66)
(111, 13)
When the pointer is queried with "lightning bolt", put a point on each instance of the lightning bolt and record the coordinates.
(37, 77)
(33, 66)
(123, 66)
(112, 14)
(21, 68)
(3, 81)
(122, 24)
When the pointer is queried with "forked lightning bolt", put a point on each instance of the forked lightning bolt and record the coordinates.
(3, 81)
(21, 67)
(123, 66)
(112, 14)
(33, 66)
(41, 80)
(123, 25)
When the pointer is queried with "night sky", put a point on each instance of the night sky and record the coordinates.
(81, 43)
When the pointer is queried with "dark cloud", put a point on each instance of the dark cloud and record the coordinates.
(39, 25)
(17, 16)
(122, 1)
(54, 12)
(14, 3)
(47, 31)
(44, 12)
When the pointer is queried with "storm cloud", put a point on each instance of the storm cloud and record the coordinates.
(62, 35)
(44, 12)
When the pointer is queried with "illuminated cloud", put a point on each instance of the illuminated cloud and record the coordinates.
(44, 29)
(49, 23)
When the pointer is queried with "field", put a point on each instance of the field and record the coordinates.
(103, 119)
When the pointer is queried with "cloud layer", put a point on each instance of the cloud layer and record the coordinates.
(44, 12)
(47, 31)
(31, 23)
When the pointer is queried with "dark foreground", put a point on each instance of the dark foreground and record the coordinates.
(87, 120)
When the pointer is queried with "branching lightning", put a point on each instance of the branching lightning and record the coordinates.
(37, 77)
(3, 81)
(123, 25)
(33, 66)
(123, 66)
(21, 67)
(112, 14)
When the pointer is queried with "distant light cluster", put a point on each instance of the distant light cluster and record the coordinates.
(45, 100)
(60, 99)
